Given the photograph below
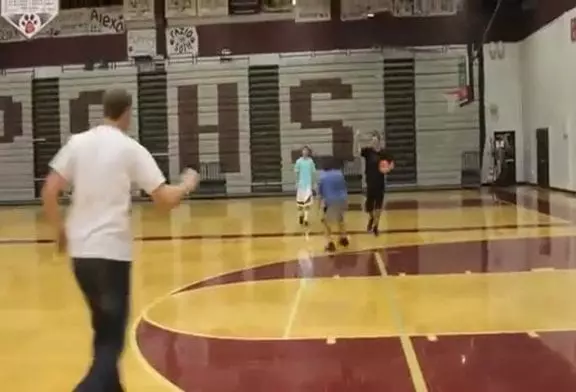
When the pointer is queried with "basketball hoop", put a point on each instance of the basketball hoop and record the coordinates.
(500, 49)
(456, 98)
(451, 101)
(496, 50)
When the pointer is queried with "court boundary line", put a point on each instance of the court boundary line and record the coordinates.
(437, 334)
(182, 291)
(531, 197)
(294, 308)
(302, 234)
(147, 366)
(558, 220)
(410, 356)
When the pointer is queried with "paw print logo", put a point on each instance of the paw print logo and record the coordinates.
(29, 23)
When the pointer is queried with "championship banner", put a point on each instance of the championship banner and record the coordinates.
(277, 5)
(182, 41)
(354, 9)
(139, 9)
(423, 8)
(9, 33)
(403, 8)
(242, 7)
(180, 9)
(361, 9)
(141, 43)
(212, 7)
(382, 5)
(312, 10)
(29, 17)
(75, 22)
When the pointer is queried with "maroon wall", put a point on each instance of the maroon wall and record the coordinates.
(260, 37)
(512, 24)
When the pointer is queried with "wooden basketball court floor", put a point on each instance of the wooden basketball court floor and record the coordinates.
(463, 291)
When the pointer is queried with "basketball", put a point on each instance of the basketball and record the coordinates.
(384, 166)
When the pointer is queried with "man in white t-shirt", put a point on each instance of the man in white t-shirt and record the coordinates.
(101, 165)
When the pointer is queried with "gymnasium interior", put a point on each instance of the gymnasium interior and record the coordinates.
(470, 285)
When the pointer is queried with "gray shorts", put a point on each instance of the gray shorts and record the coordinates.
(335, 212)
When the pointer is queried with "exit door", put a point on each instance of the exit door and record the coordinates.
(542, 158)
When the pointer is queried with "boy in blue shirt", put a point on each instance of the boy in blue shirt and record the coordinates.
(333, 192)
(305, 170)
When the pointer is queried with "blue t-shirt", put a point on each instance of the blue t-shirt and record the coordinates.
(305, 169)
(332, 187)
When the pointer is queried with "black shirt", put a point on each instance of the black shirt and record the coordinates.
(372, 169)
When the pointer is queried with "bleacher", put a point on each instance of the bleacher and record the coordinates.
(242, 121)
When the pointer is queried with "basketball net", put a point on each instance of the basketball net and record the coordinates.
(496, 50)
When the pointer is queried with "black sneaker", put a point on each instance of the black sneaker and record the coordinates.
(301, 220)
(344, 242)
(330, 247)
(376, 231)
(370, 224)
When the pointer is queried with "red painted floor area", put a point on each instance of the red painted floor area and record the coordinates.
(499, 363)
(223, 365)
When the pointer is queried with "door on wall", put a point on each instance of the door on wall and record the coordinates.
(542, 158)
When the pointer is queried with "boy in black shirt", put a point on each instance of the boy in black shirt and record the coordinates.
(378, 162)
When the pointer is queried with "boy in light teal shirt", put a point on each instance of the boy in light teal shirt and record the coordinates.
(305, 170)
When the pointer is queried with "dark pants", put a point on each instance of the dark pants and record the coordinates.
(106, 288)
(374, 197)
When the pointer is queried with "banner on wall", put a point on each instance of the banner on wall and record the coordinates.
(381, 5)
(411, 8)
(74, 22)
(29, 17)
(180, 8)
(139, 9)
(141, 43)
(276, 5)
(312, 10)
(360, 9)
(212, 7)
(402, 8)
(182, 41)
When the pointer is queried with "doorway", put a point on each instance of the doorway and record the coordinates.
(542, 158)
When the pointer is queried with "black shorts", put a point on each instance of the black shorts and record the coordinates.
(374, 198)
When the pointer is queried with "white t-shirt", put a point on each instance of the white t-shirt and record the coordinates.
(101, 165)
